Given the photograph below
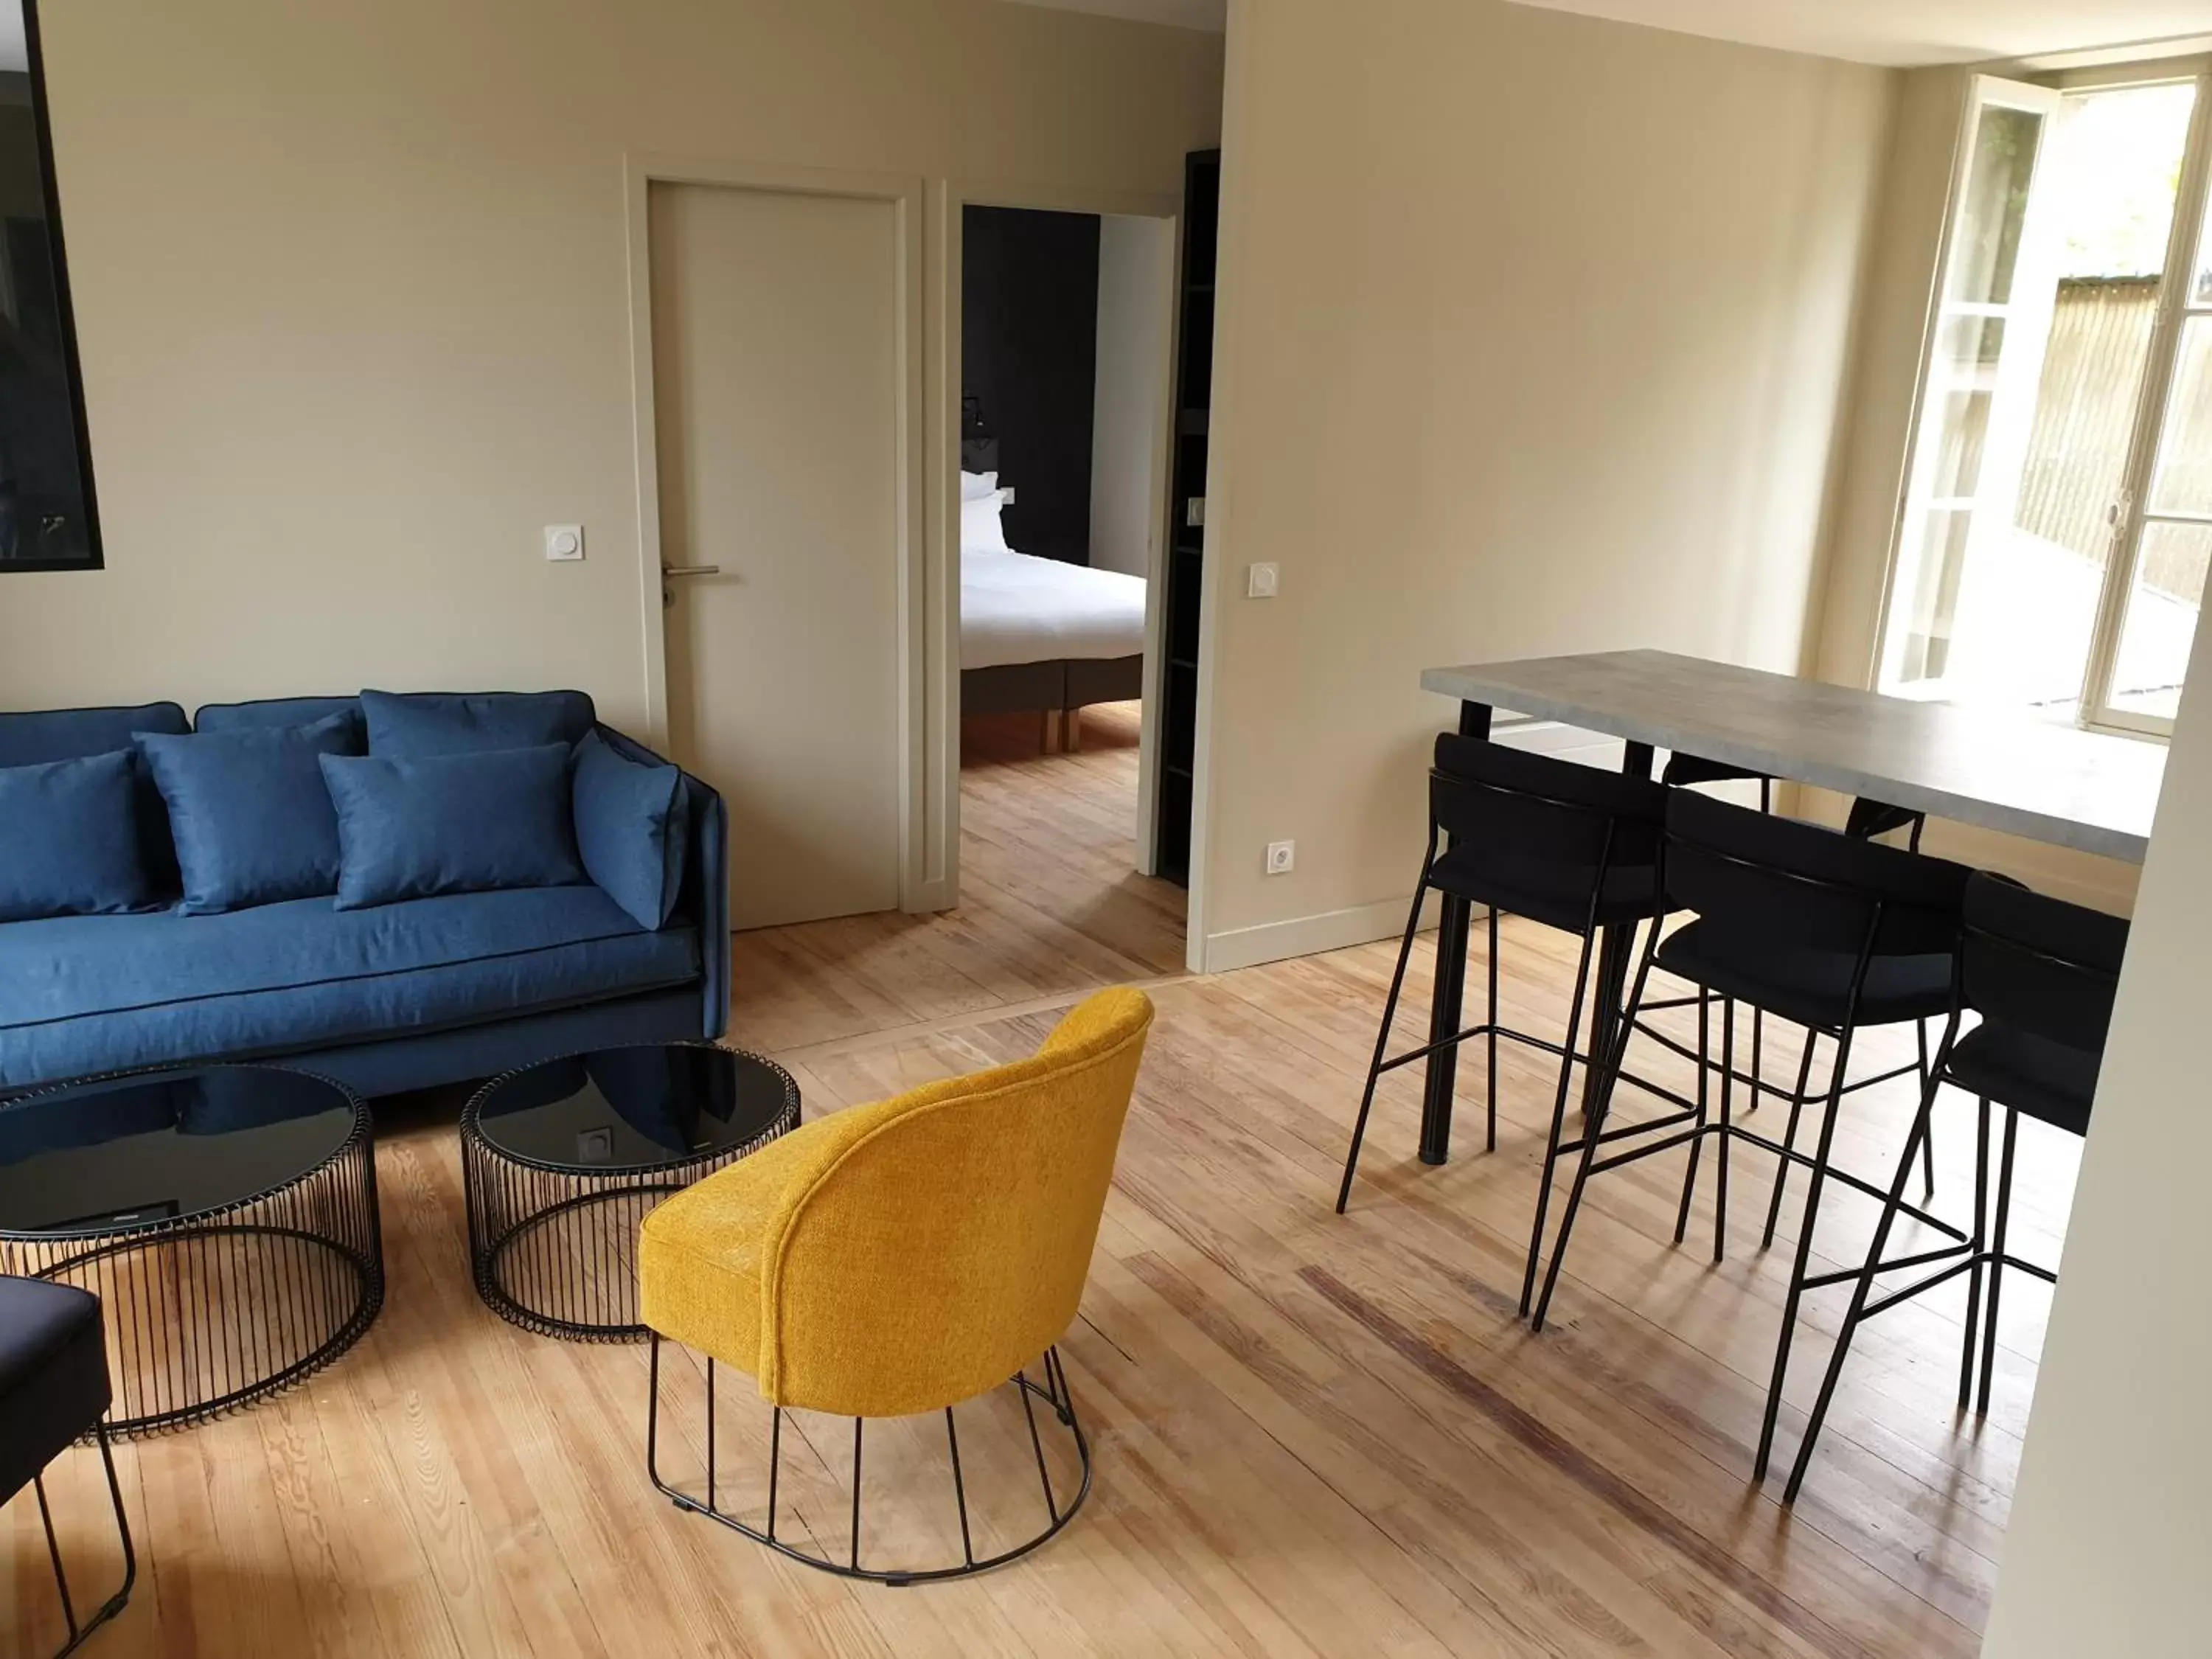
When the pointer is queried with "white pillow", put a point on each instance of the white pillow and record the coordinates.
(981, 530)
(973, 486)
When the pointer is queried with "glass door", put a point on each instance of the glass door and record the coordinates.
(1984, 357)
(2162, 519)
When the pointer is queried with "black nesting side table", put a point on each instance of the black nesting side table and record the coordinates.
(561, 1161)
(225, 1216)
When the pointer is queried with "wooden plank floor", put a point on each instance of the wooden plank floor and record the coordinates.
(1314, 1434)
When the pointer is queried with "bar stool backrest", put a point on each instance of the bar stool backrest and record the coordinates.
(2040, 964)
(1804, 885)
(1541, 809)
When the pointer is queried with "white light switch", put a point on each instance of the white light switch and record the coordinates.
(1260, 581)
(564, 542)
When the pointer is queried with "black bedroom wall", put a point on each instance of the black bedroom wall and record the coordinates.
(1029, 325)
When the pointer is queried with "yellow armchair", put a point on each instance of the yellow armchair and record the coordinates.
(903, 1257)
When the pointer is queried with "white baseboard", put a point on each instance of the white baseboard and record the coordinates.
(1308, 936)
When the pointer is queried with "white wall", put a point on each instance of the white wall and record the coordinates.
(1534, 337)
(1136, 322)
(353, 294)
(2111, 1527)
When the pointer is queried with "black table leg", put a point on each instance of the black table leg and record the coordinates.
(1444, 1001)
(1616, 950)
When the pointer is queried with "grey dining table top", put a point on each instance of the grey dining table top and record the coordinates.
(2000, 770)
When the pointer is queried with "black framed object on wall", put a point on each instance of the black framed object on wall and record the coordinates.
(48, 519)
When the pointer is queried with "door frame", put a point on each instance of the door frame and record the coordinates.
(640, 171)
(948, 198)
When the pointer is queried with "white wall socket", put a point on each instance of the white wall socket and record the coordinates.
(1282, 857)
(564, 542)
(1263, 581)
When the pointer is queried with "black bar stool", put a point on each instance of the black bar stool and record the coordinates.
(1868, 820)
(2042, 975)
(1828, 933)
(1569, 845)
(54, 1390)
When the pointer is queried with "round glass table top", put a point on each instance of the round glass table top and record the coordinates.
(643, 1108)
(150, 1147)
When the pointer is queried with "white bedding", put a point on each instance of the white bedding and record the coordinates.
(1017, 608)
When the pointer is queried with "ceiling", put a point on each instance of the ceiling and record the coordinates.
(1896, 31)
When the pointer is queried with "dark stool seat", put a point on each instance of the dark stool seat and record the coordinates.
(54, 1374)
(1556, 892)
(53, 1390)
(1808, 987)
(2029, 1072)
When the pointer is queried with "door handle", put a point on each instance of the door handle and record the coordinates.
(690, 570)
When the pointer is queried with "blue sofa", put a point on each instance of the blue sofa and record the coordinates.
(396, 997)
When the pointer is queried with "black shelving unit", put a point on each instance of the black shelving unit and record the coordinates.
(1185, 570)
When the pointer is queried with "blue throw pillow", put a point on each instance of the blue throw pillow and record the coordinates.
(631, 829)
(419, 723)
(452, 824)
(69, 839)
(252, 819)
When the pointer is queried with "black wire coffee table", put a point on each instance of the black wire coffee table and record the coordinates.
(560, 1161)
(225, 1216)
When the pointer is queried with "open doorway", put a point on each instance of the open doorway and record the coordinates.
(2053, 547)
(1067, 329)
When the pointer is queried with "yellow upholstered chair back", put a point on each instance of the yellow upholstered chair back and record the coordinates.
(920, 1250)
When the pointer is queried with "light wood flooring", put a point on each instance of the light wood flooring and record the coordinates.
(1314, 1434)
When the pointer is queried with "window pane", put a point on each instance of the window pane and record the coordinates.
(1967, 344)
(2161, 619)
(1939, 559)
(1995, 206)
(2183, 480)
(1959, 447)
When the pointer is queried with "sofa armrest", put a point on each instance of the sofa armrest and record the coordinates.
(705, 893)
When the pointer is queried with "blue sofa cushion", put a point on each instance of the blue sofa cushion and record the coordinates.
(83, 994)
(252, 817)
(69, 839)
(271, 711)
(633, 828)
(73, 733)
(452, 824)
(456, 723)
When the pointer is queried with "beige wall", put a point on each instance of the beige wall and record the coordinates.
(352, 289)
(1534, 339)
(2111, 1528)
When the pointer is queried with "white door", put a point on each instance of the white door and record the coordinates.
(776, 393)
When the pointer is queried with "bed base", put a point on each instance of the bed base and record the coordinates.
(1056, 691)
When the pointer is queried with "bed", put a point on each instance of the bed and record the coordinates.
(1041, 636)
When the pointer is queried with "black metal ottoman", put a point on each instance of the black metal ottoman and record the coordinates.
(53, 1390)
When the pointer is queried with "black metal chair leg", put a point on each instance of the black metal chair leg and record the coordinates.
(1789, 1137)
(1974, 1273)
(1834, 1111)
(1862, 1289)
(1490, 1072)
(1594, 1124)
(1757, 1058)
(1558, 1118)
(1704, 1107)
(1928, 1141)
(1383, 1037)
(1997, 1246)
(79, 1634)
(1728, 1125)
